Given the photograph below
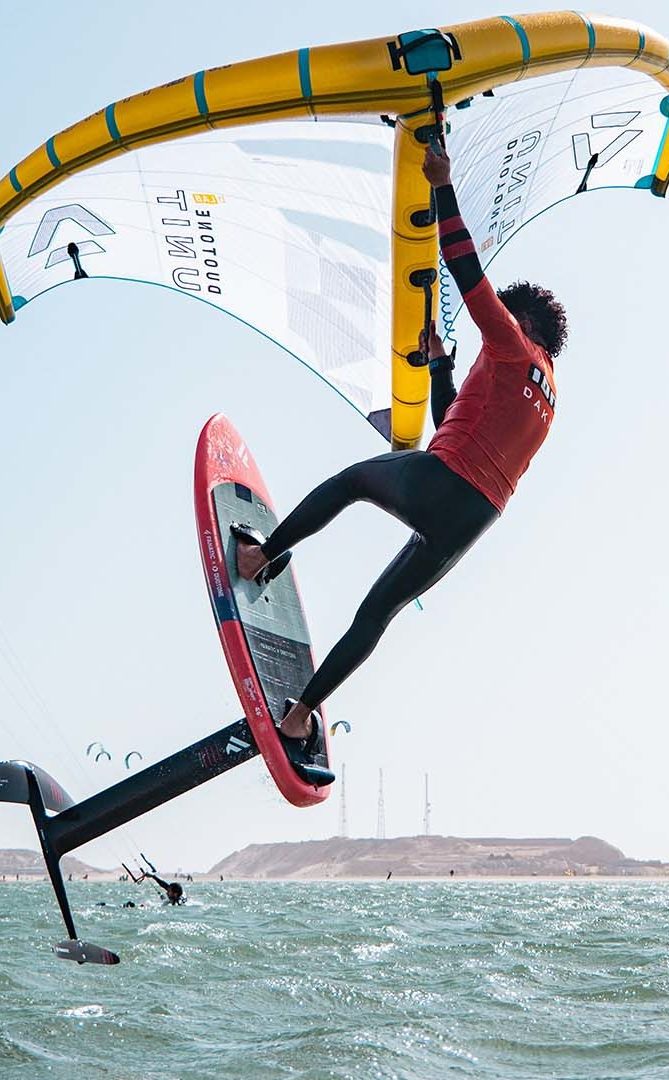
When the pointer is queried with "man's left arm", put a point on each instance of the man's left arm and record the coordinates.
(442, 389)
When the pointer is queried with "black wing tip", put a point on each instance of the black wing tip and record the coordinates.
(83, 952)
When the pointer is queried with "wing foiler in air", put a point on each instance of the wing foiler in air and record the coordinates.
(323, 238)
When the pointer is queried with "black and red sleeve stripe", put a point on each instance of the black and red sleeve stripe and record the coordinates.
(457, 247)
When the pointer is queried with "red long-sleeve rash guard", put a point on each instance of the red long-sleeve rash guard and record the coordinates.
(505, 406)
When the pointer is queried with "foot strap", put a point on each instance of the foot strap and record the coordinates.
(308, 756)
(248, 535)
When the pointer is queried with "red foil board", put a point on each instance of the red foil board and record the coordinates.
(221, 458)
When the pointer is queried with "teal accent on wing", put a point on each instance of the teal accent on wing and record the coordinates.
(642, 41)
(524, 42)
(592, 34)
(19, 302)
(52, 155)
(304, 67)
(14, 180)
(660, 148)
(200, 96)
(664, 106)
(645, 182)
(112, 128)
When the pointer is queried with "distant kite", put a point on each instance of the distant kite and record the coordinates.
(343, 723)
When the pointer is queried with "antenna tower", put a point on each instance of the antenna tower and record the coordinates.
(381, 812)
(428, 807)
(343, 820)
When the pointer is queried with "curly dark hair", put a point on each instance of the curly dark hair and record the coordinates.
(546, 314)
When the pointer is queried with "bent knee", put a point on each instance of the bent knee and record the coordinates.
(370, 621)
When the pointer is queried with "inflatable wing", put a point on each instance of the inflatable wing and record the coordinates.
(323, 236)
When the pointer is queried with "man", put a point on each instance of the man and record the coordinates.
(486, 436)
(174, 893)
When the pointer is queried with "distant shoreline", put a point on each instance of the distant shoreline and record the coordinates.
(206, 879)
(410, 859)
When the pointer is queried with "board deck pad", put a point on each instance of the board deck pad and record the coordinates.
(273, 620)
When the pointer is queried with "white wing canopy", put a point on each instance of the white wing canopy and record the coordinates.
(287, 225)
(534, 143)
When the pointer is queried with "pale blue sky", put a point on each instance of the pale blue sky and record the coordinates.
(532, 686)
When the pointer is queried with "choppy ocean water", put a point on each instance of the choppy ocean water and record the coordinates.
(336, 981)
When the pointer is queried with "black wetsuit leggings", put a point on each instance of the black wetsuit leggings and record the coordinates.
(447, 515)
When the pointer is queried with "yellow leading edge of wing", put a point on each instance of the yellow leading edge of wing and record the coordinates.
(7, 313)
(341, 80)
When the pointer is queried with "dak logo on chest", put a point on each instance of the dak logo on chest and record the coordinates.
(543, 390)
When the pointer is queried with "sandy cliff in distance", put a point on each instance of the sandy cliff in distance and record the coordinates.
(29, 863)
(405, 856)
(433, 856)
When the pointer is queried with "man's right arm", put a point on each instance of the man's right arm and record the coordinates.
(442, 388)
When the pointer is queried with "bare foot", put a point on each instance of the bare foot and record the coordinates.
(250, 560)
(297, 722)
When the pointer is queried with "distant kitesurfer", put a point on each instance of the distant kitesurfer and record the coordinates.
(486, 435)
(174, 893)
